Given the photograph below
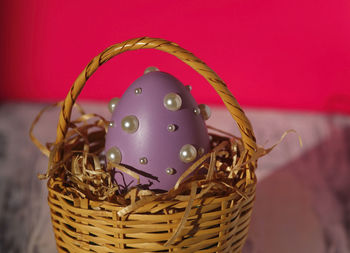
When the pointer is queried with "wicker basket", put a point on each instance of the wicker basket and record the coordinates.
(188, 224)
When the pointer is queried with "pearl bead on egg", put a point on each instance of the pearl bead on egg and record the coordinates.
(170, 171)
(200, 151)
(143, 160)
(172, 101)
(113, 154)
(188, 87)
(197, 111)
(150, 69)
(171, 127)
(205, 111)
(188, 153)
(138, 91)
(111, 124)
(130, 124)
(113, 104)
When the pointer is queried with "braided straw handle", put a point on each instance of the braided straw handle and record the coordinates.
(231, 103)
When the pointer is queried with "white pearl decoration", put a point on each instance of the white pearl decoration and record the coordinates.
(171, 128)
(113, 104)
(172, 101)
(130, 124)
(189, 88)
(188, 153)
(205, 111)
(113, 154)
(170, 171)
(111, 124)
(196, 111)
(200, 151)
(150, 69)
(138, 91)
(143, 160)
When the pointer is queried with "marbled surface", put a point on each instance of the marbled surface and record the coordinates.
(303, 194)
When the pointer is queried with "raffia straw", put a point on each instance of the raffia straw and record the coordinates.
(268, 150)
(193, 167)
(43, 149)
(86, 176)
(184, 217)
(125, 170)
(211, 166)
(36, 142)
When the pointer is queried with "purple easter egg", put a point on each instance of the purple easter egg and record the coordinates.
(157, 131)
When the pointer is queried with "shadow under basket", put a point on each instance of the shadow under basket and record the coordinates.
(206, 213)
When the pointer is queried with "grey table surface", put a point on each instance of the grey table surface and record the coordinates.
(303, 194)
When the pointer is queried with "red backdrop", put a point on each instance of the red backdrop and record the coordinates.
(272, 53)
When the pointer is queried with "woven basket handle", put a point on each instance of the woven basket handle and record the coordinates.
(171, 48)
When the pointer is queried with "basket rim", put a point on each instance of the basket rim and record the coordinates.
(108, 205)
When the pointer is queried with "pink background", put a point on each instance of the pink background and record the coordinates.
(272, 53)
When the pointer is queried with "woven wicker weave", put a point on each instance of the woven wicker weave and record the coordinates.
(209, 223)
